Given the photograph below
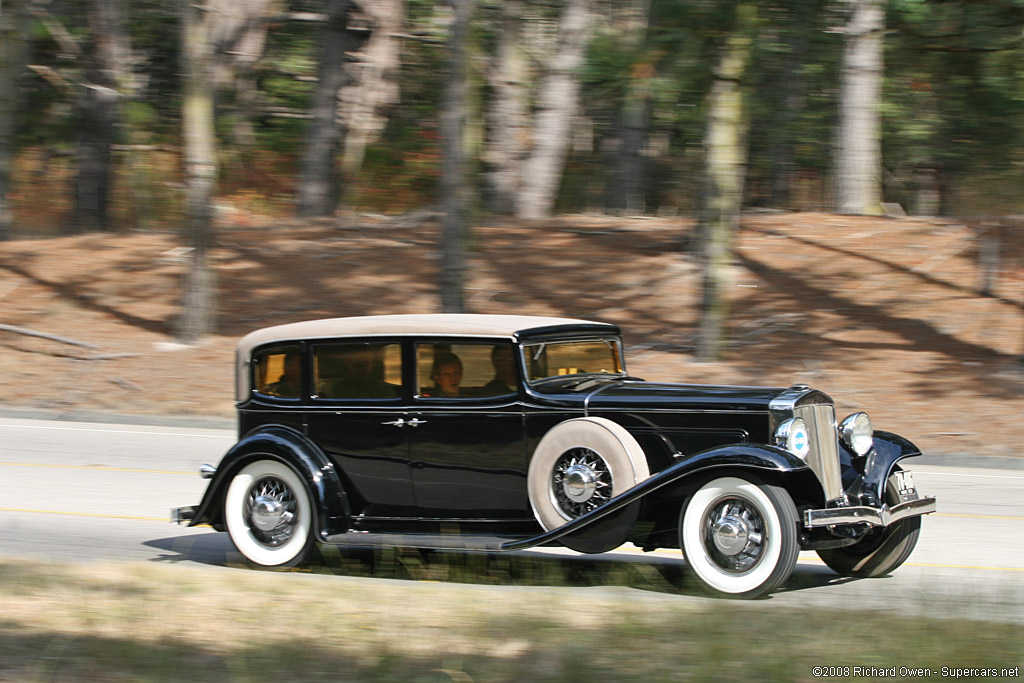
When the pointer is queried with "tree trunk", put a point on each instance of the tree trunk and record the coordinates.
(198, 317)
(13, 25)
(374, 87)
(793, 88)
(508, 119)
(98, 107)
(859, 160)
(628, 187)
(318, 185)
(725, 163)
(453, 185)
(239, 39)
(97, 117)
(556, 107)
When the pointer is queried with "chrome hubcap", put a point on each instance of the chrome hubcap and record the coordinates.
(271, 508)
(581, 481)
(268, 513)
(730, 534)
(734, 534)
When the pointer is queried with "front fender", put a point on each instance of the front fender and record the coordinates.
(292, 448)
(878, 464)
(767, 460)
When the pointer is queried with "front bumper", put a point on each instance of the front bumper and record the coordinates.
(883, 516)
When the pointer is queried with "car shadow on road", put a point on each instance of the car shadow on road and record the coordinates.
(657, 573)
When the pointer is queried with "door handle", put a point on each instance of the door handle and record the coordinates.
(415, 422)
(395, 423)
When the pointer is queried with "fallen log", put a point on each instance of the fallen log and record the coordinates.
(44, 335)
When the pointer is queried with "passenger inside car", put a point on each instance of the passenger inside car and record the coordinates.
(503, 360)
(353, 372)
(447, 376)
(289, 384)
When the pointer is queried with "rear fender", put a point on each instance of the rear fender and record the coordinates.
(292, 448)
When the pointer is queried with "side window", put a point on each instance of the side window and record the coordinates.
(278, 372)
(357, 370)
(465, 370)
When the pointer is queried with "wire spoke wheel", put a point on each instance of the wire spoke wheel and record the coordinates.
(271, 510)
(268, 513)
(581, 481)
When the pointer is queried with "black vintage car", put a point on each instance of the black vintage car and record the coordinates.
(506, 432)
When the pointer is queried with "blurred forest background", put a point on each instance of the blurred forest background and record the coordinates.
(121, 115)
(817, 190)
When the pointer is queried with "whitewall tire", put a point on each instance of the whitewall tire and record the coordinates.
(739, 536)
(881, 550)
(579, 465)
(269, 514)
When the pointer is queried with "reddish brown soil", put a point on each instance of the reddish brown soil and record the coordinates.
(882, 314)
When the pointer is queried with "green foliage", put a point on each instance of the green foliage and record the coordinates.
(953, 99)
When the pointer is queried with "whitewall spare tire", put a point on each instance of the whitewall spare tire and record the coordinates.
(579, 465)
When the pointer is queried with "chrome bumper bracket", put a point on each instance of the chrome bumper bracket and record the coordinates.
(183, 514)
(883, 516)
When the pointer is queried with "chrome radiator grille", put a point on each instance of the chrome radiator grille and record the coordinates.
(824, 455)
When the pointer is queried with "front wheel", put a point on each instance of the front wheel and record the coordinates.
(881, 551)
(269, 514)
(739, 536)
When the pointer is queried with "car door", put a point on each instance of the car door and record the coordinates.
(359, 407)
(466, 436)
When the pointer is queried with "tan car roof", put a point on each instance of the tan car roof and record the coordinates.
(440, 324)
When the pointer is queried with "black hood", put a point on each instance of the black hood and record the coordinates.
(600, 393)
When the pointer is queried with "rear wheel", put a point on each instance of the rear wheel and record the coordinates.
(269, 514)
(739, 536)
(882, 550)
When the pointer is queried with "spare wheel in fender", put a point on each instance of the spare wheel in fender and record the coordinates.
(579, 465)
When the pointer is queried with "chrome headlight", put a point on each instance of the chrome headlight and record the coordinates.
(793, 436)
(857, 433)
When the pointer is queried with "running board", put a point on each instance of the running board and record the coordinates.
(428, 541)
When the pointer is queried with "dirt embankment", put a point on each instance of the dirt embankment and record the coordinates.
(884, 315)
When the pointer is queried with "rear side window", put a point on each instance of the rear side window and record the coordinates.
(470, 370)
(357, 370)
(278, 372)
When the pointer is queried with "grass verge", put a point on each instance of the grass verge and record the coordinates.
(112, 622)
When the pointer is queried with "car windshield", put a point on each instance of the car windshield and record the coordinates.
(546, 360)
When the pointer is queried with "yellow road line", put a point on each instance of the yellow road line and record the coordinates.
(805, 556)
(98, 430)
(102, 468)
(141, 518)
(815, 560)
(950, 514)
(966, 566)
(89, 514)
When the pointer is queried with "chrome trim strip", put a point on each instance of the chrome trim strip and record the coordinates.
(463, 520)
(883, 516)
(539, 408)
(595, 392)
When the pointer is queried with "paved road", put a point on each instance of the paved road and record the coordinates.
(82, 492)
